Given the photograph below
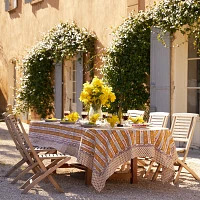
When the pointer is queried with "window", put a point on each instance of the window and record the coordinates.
(193, 85)
(10, 5)
(35, 1)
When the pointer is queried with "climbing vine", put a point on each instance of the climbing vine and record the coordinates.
(127, 60)
(61, 42)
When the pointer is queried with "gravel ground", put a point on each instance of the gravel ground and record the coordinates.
(72, 181)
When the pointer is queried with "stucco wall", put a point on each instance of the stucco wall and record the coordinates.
(22, 27)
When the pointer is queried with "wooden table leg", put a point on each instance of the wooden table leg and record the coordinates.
(134, 170)
(88, 176)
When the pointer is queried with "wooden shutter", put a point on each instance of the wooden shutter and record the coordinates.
(7, 5)
(58, 90)
(159, 74)
(10, 4)
(79, 81)
(28, 1)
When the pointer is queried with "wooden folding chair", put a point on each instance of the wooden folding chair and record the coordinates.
(35, 160)
(182, 129)
(24, 157)
(158, 119)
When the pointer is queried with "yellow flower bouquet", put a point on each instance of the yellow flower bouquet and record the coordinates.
(97, 93)
(113, 120)
(93, 118)
(72, 117)
(137, 120)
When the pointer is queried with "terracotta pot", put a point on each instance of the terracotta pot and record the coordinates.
(35, 116)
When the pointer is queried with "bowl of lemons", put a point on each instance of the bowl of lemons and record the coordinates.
(138, 122)
(51, 119)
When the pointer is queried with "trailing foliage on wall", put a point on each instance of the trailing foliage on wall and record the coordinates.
(37, 91)
(127, 62)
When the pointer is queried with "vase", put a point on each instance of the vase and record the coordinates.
(95, 109)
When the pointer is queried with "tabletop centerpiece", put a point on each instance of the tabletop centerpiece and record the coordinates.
(96, 94)
(137, 120)
(70, 118)
(94, 118)
(51, 119)
(113, 120)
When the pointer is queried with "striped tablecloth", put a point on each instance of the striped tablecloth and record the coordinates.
(103, 150)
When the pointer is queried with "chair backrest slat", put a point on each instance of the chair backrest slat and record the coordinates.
(135, 113)
(33, 152)
(158, 119)
(19, 137)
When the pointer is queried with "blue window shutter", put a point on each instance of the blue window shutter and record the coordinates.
(58, 90)
(7, 5)
(160, 74)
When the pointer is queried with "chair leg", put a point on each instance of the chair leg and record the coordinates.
(177, 174)
(148, 169)
(55, 184)
(24, 172)
(16, 166)
(182, 164)
(157, 172)
(38, 179)
(30, 180)
(47, 174)
(142, 163)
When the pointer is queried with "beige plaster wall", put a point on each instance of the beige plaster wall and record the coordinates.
(22, 27)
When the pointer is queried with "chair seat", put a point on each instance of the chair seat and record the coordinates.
(180, 150)
(36, 148)
(43, 149)
(53, 156)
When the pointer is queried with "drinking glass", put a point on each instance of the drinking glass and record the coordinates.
(66, 112)
(125, 118)
(84, 115)
(104, 117)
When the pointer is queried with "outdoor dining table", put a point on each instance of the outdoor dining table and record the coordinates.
(103, 149)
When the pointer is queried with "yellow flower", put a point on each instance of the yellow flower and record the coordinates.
(137, 120)
(97, 82)
(94, 118)
(72, 117)
(113, 120)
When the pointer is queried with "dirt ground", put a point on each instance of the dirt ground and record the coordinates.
(72, 181)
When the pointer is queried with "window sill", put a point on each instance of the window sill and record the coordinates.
(36, 1)
(12, 9)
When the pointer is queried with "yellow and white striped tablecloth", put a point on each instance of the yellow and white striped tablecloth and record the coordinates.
(103, 149)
